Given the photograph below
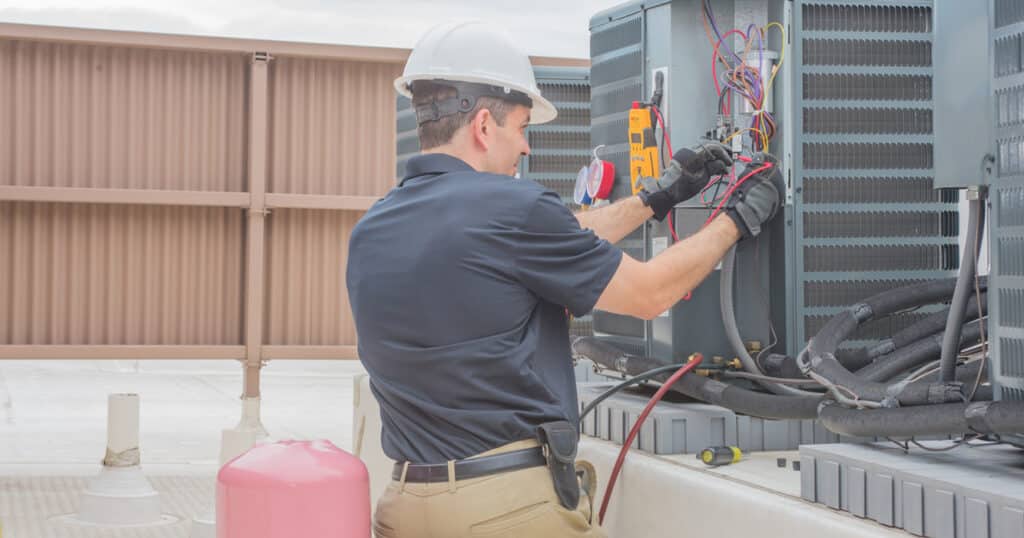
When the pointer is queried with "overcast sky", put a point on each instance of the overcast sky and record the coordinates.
(544, 27)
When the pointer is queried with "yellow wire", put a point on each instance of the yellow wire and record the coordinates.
(782, 55)
(761, 134)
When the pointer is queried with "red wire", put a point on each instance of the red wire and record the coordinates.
(672, 226)
(661, 122)
(668, 144)
(694, 361)
(715, 55)
(732, 189)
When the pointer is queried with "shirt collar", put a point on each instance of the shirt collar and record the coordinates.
(434, 163)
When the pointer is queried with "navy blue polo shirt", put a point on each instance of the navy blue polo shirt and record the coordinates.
(459, 283)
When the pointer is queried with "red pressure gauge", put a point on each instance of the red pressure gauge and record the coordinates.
(600, 177)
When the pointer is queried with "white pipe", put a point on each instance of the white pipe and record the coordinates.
(249, 431)
(122, 430)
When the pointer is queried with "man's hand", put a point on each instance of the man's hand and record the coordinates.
(755, 201)
(684, 177)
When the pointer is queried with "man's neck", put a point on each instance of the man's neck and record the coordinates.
(472, 160)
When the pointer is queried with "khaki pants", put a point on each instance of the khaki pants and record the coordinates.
(506, 505)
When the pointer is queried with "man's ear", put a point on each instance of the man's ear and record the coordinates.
(482, 126)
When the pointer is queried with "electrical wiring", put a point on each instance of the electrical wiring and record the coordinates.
(694, 361)
(732, 189)
(768, 378)
(742, 79)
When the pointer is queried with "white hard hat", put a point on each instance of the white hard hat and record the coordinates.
(476, 53)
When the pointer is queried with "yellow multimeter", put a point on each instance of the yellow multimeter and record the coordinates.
(643, 146)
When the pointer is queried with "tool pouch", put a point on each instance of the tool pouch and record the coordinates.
(559, 439)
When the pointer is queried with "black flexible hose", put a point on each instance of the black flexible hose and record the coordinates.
(964, 284)
(936, 322)
(929, 348)
(985, 417)
(737, 399)
(818, 358)
(915, 339)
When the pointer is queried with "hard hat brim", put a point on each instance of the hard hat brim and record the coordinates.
(543, 110)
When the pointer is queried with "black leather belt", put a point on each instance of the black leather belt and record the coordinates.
(473, 468)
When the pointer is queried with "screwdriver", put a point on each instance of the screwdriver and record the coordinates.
(720, 455)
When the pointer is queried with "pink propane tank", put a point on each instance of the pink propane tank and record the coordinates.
(292, 489)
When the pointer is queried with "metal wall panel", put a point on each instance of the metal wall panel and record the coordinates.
(79, 115)
(307, 302)
(330, 127)
(138, 173)
(80, 274)
(867, 216)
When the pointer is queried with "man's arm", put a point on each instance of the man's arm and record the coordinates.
(616, 221)
(646, 289)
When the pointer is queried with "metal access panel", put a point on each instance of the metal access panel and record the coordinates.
(1006, 311)
(963, 108)
(629, 45)
(969, 492)
(866, 215)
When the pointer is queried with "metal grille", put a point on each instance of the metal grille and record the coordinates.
(1008, 12)
(868, 120)
(879, 155)
(881, 258)
(867, 18)
(1007, 197)
(1011, 256)
(881, 224)
(874, 190)
(617, 81)
(1010, 107)
(1010, 313)
(856, 52)
(1010, 206)
(848, 292)
(616, 65)
(1009, 55)
(864, 138)
(868, 87)
(1011, 362)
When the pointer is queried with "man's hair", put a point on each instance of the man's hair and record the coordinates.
(441, 131)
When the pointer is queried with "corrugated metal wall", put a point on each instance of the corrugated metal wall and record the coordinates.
(131, 176)
(186, 197)
(330, 127)
(75, 115)
(80, 274)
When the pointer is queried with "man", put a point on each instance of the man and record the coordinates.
(460, 280)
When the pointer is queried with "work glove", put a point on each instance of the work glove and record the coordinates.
(687, 174)
(756, 200)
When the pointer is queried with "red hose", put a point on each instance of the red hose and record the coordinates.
(694, 361)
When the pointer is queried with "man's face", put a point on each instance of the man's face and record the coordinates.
(510, 142)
